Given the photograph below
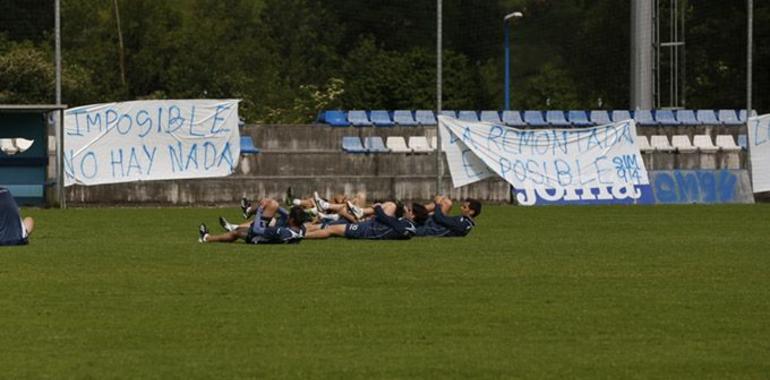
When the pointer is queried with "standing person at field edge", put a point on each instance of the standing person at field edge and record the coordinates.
(13, 229)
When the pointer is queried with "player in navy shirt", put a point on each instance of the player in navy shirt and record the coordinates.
(288, 228)
(13, 229)
(432, 219)
(389, 223)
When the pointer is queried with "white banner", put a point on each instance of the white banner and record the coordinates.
(150, 140)
(759, 151)
(550, 165)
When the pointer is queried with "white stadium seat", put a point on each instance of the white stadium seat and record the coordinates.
(727, 143)
(660, 143)
(419, 144)
(682, 144)
(644, 144)
(397, 144)
(704, 144)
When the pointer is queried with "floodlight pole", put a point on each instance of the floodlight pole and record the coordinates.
(507, 48)
(60, 112)
(439, 163)
(749, 77)
(750, 60)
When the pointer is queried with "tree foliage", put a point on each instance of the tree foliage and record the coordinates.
(288, 59)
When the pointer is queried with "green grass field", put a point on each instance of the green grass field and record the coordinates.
(592, 292)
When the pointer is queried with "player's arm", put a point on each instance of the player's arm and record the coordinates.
(390, 221)
(454, 224)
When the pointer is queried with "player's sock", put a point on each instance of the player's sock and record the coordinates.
(355, 210)
(320, 203)
(203, 233)
(296, 202)
(227, 225)
(245, 207)
(329, 217)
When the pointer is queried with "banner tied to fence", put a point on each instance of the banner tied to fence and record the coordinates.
(549, 166)
(759, 151)
(150, 140)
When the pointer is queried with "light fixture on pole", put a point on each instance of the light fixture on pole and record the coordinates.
(506, 20)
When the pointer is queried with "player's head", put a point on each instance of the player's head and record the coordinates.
(296, 216)
(420, 213)
(400, 209)
(470, 208)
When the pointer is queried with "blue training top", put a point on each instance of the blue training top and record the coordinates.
(382, 227)
(281, 233)
(11, 231)
(448, 226)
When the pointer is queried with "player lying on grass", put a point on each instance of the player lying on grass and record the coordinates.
(390, 222)
(288, 226)
(13, 229)
(432, 219)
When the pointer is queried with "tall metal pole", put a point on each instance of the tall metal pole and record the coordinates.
(439, 163)
(750, 60)
(507, 105)
(59, 113)
(120, 44)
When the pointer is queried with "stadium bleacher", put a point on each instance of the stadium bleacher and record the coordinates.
(491, 117)
(727, 143)
(600, 117)
(397, 144)
(513, 119)
(704, 144)
(374, 144)
(536, 119)
(419, 144)
(352, 144)
(247, 145)
(404, 118)
(469, 116)
(661, 144)
(557, 119)
(381, 118)
(687, 117)
(682, 144)
(644, 144)
(579, 119)
(425, 117)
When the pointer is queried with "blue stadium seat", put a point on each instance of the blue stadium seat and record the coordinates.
(729, 117)
(374, 144)
(557, 119)
(600, 117)
(579, 119)
(335, 118)
(687, 117)
(352, 144)
(381, 118)
(707, 117)
(620, 115)
(404, 118)
(513, 119)
(469, 116)
(742, 115)
(645, 118)
(359, 118)
(534, 119)
(665, 117)
(247, 145)
(425, 117)
(449, 113)
(743, 142)
(491, 117)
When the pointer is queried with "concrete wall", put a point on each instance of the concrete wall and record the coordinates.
(309, 158)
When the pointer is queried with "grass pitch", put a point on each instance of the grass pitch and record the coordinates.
(591, 292)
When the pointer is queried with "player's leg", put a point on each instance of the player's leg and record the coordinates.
(227, 237)
(330, 231)
(29, 225)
